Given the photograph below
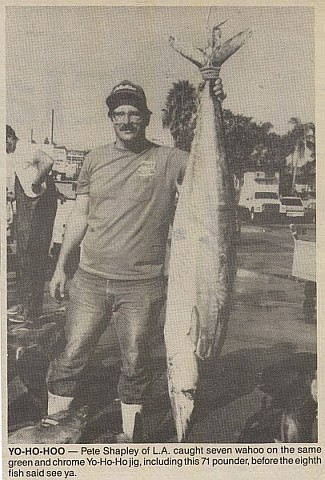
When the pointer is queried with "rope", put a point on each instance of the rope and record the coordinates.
(210, 73)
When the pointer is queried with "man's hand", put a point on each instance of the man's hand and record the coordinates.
(10, 197)
(36, 188)
(57, 284)
(60, 196)
(218, 90)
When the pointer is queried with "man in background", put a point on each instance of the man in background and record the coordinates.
(31, 185)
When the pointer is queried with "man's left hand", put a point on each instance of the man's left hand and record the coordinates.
(36, 188)
(218, 90)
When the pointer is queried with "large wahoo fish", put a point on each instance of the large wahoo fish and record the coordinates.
(203, 251)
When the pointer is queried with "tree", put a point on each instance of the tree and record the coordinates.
(303, 136)
(250, 145)
(179, 113)
(311, 139)
(245, 139)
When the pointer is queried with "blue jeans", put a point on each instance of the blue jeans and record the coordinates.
(133, 305)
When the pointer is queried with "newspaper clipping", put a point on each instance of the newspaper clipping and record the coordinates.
(159, 301)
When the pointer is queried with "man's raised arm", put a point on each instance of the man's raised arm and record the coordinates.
(44, 164)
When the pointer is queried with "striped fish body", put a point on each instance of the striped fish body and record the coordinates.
(202, 262)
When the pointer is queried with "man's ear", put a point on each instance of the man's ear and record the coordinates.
(146, 118)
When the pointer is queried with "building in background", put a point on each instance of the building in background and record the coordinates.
(74, 161)
(67, 163)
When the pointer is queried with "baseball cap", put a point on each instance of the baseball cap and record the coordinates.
(127, 93)
(10, 132)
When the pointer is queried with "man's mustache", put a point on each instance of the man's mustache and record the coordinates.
(128, 127)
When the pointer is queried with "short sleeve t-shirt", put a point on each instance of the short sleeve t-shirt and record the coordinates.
(131, 205)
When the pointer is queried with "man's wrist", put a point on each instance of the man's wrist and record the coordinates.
(60, 263)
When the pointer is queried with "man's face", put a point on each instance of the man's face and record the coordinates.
(11, 144)
(129, 123)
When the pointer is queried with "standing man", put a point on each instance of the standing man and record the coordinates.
(124, 206)
(36, 203)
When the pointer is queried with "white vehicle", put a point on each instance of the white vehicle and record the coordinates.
(259, 195)
(292, 207)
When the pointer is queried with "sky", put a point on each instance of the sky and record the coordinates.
(69, 58)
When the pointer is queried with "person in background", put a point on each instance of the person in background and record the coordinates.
(124, 206)
(9, 210)
(35, 194)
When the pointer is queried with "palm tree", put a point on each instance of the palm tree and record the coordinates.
(243, 135)
(304, 135)
(179, 113)
(310, 139)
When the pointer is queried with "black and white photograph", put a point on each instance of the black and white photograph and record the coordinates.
(161, 233)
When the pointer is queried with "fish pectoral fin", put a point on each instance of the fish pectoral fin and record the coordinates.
(198, 335)
(195, 326)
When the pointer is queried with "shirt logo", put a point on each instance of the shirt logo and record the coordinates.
(147, 168)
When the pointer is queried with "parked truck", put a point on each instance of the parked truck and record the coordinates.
(292, 208)
(259, 196)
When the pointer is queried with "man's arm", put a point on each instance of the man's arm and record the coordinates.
(44, 164)
(74, 233)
